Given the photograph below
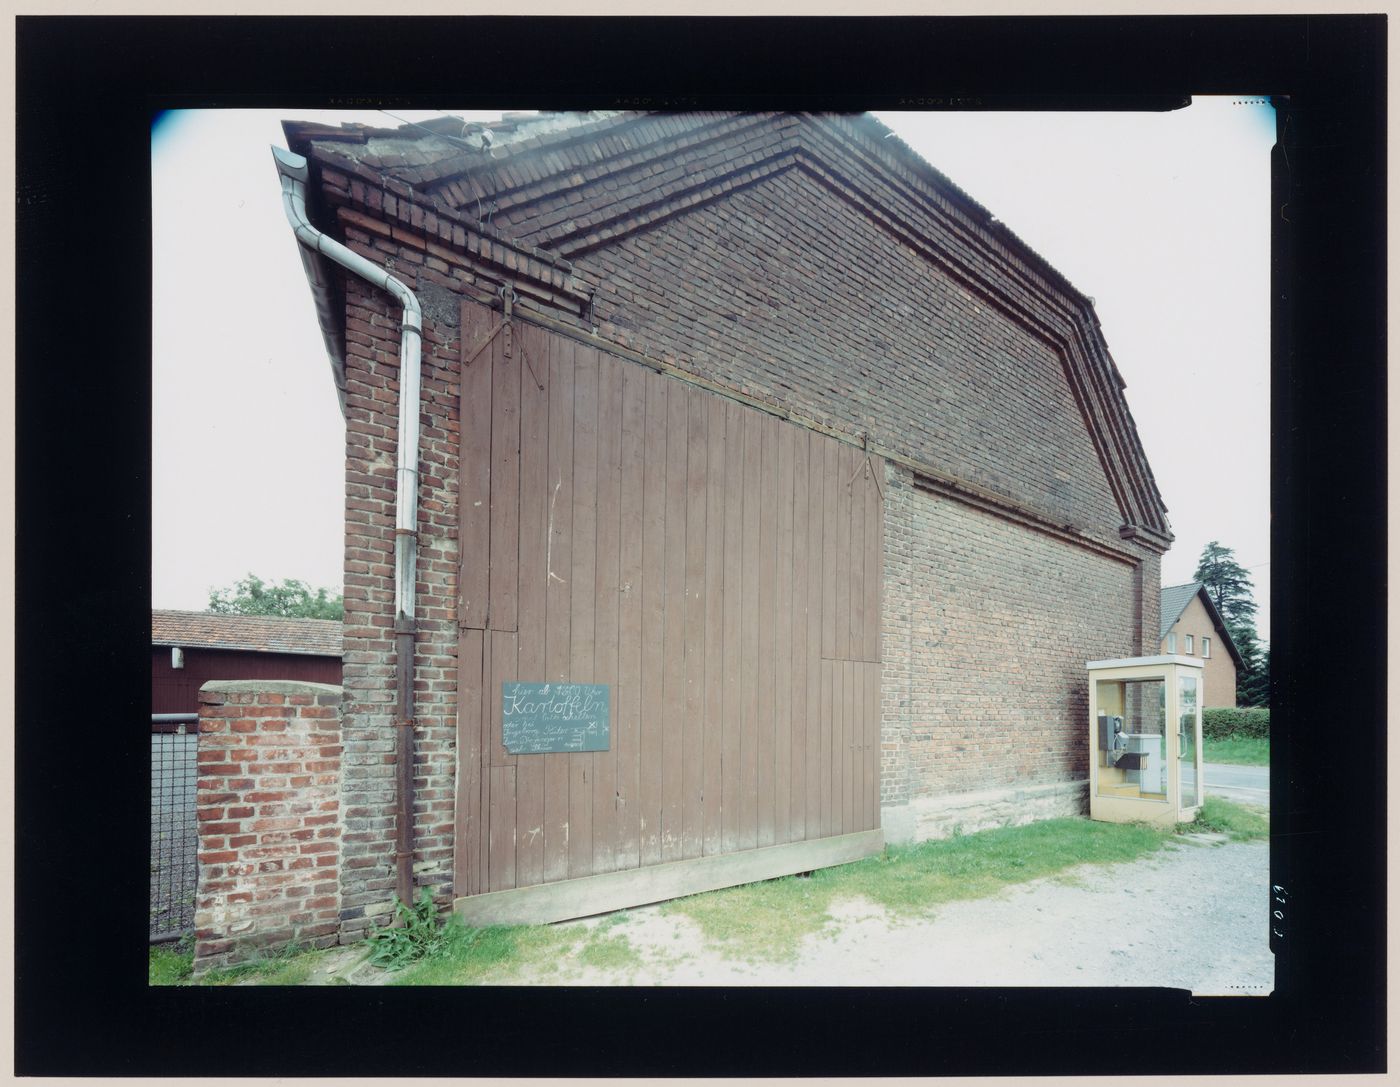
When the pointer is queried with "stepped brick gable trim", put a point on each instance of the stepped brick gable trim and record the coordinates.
(622, 175)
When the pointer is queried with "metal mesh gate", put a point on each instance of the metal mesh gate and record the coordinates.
(174, 835)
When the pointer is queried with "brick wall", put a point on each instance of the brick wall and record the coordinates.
(371, 452)
(988, 625)
(784, 291)
(791, 295)
(269, 819)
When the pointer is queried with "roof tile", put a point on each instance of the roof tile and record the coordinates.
(257, 633)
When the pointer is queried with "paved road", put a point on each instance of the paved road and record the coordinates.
(1248, 784)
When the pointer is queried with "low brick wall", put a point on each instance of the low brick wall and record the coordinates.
(269, 818)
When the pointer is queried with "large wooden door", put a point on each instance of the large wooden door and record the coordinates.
(718, 568)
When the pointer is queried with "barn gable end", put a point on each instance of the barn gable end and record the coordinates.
(809, 278)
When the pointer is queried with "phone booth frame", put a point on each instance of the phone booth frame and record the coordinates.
(1122, 753)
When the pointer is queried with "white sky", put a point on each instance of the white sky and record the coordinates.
(1161, 218)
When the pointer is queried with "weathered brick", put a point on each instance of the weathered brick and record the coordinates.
(250, 885)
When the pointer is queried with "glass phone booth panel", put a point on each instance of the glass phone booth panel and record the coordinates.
(1144, 739)
(1188, 713)
(1131, 718)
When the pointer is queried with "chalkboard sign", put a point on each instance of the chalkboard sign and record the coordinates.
(542, 717)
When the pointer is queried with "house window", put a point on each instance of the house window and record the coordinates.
(1205, 647)
(1190, 645)
(1171, 642)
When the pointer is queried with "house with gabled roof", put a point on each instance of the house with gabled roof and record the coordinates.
(190, 648)
(726, 495)
(1191, 626)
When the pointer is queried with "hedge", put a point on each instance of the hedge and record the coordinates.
(1220, 724)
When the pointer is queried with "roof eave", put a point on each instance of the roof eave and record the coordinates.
(327, 291)
(1221, 628)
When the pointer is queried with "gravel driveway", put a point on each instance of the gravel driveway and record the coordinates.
(1191, 916)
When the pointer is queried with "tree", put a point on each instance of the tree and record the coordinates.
(290, 598)
(1229, 584)
(1255, 689)
(1232, 591)
(1252, 681)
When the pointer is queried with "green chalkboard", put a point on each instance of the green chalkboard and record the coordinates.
(537, 718)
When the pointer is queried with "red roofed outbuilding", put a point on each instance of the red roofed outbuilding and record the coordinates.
(189, 648)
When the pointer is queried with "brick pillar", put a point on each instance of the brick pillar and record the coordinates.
(1149, 612)
(269, 818)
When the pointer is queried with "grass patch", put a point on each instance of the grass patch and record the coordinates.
(609, 953)
(760, 920)
(170, 964)
(505, 954)
(1238, 750)
(491, 955)
(1241, 823)
(769, 920)
(289, 966)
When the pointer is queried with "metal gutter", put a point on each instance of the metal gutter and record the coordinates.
(316, 249)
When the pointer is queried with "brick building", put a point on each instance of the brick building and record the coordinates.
(1192, 627)
(189, 648)
(762, 422)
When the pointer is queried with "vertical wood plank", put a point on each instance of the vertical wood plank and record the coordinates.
(501, 648)
(849, 768)
(831, 454)
(874, 545)
(653, 618)
(748, 739)
(782, 668)
(797, 687)
(857, 490)
(714, 622)
(502, 839)
(583, 582)
(858, 803)
(483, 847)
(845, 461)
(505, 485)
(534, 544)
(767, 634)
(828, 722)
(693, 723)
(468, 815)
(731, 782)
(474, 466)
(629, 664)
(873, 679)
(840, 762)
(495, 652)
(673, 660)
(606, 603)
(558, 593)
(816, 475)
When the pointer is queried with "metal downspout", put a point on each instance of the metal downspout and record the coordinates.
(294, 173)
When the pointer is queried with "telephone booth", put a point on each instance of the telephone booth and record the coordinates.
(1145, 739)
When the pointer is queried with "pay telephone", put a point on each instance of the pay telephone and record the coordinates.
(1113, 742)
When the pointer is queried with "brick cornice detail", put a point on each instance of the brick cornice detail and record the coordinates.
(1063, 320)
(422, 222)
